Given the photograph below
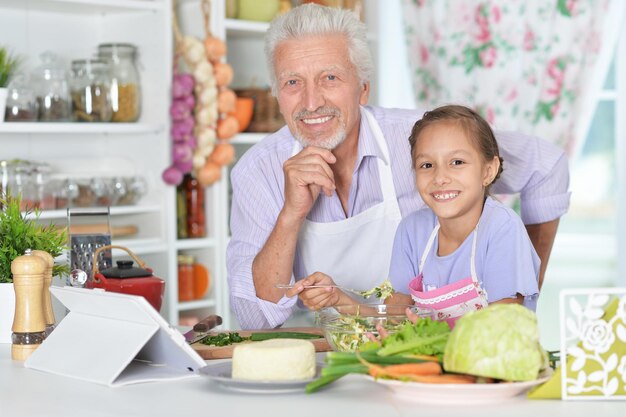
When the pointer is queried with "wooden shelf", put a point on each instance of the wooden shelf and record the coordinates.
(81, 128)
(186, 244)
(85, 6)
(115, 211)
(196, 304)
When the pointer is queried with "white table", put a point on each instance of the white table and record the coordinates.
(28, 393)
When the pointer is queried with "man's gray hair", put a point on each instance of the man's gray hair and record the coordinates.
(314, 20)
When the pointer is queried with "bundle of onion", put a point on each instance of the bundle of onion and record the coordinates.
(213, 124)
(184, 141)
(200, 105)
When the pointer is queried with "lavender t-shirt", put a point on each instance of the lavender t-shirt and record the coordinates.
(506, 262)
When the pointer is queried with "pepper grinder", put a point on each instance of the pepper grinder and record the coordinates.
(28, 323)
(47, 281)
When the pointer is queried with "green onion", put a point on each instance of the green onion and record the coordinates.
(257, 337)
(341, 370)
(320, 382)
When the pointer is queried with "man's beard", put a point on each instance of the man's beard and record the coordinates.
(332, 142)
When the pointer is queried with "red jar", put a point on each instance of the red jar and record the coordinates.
(185, 278)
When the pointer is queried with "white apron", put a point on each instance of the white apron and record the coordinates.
(355, 252)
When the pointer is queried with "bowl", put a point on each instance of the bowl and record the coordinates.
(346, 326)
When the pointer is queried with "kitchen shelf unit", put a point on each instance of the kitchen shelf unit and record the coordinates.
(73, 29)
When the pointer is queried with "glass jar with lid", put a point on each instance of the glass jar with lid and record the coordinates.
(5, 175)
(194, 193)
(44, 197)
(125, 83)
(23, 185)
(21, 103)
(185, 277)
(51, 89)
(90, 90)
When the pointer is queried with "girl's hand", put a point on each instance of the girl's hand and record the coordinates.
(382, 332)
(411, 315)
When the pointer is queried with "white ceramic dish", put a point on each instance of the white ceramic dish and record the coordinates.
(221, 374)
(460, 394)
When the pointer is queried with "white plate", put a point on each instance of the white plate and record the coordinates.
(221, 373)
(460, 394)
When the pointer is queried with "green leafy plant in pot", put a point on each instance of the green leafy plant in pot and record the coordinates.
(8, 67)
(20, 231)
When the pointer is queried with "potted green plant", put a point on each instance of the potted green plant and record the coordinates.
(20, 231)
(8, 67)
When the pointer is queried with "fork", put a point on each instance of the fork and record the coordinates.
(350, 290)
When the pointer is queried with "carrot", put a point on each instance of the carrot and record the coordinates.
(424, 368)
(376, 371)
(426, 372)
(442, 379)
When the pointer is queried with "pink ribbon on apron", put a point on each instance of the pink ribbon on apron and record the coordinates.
(451, 301)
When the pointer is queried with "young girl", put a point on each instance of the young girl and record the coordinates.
(466, 249)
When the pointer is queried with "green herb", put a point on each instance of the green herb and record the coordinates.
(228, 338)
(8, 66)
(20, 231)
(554, 358)
(222, 339)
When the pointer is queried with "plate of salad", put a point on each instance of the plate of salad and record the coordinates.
(490, 356)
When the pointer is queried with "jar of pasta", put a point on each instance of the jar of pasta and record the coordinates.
(125, 83)
(51, 89)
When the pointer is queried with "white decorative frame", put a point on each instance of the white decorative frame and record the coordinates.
(582, 324)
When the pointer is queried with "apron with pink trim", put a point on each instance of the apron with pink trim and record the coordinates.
(451, 301)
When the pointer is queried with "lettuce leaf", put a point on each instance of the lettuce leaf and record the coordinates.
(425, 337)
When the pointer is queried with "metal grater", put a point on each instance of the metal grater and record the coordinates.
(89, 229)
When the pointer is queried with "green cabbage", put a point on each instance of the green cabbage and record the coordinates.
(500, 341)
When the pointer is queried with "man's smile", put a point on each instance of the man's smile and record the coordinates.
(317, 120)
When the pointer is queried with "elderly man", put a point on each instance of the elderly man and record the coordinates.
(318, 202)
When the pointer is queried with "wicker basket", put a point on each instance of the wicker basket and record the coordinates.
(266, 117)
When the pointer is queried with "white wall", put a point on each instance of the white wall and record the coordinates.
(393, 66)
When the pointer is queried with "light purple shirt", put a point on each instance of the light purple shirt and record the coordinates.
(534, 167)
(506, 262)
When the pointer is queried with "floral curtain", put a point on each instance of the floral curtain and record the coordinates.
(523, 64)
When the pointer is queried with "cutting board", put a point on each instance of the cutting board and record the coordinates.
(224, 352)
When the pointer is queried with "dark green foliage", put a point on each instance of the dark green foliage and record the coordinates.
(20, 231)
